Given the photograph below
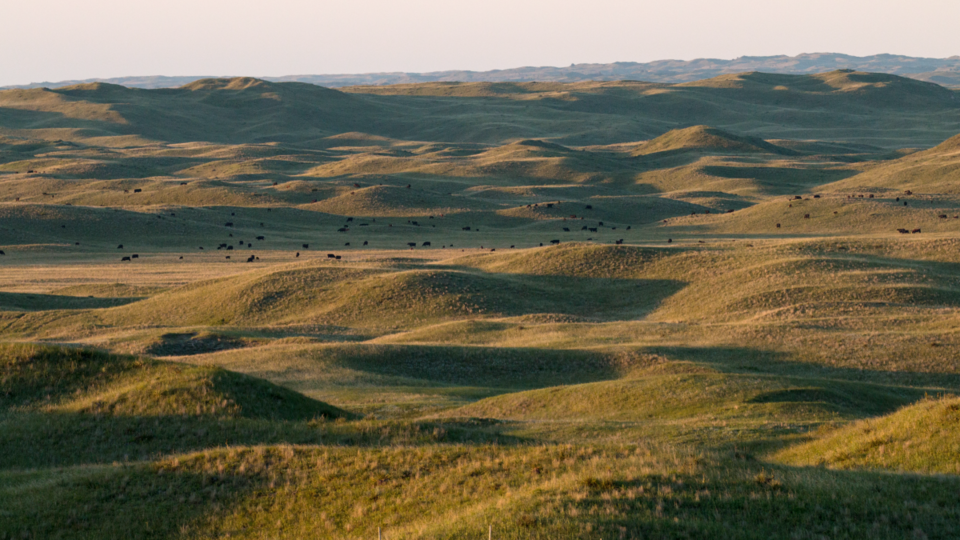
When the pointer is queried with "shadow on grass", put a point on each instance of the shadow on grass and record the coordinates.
(43, 440)
(746, 360)
(734, 500)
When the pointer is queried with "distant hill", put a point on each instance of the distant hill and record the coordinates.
(842, 105)
(943, 71)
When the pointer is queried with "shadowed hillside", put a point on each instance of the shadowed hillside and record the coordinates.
(248, 309)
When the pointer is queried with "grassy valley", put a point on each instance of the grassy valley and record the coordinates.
(726, 308)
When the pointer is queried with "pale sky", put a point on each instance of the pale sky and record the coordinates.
(52, 40)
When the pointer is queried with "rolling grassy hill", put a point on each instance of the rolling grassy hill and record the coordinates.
(250, 309)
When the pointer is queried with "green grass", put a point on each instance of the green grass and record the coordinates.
(921, 438)
(671, 369)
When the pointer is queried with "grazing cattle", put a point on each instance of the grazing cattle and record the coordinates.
(138, 190)
(943, 216)
(549, 205)
(228, 224)
(730, 211)
(797, 198)
(408, 186)
(135, 256)
(816, 196)
(511, 247)
(903, 231)
(859, 196)
(554, 242)
(600, 223)
(356, 185)
(30, 172)
(628, 227)
(364, 242)
(618, 242)
(76, 243)
(251, 258)
(260, 238)
(898, 199)
(669, 240)
(466, 228)
(566, 229)
(125, 259)
(201, 247)
(347, 244)
(331, 256)
(583, 228)
(349, 219)
(778, 225)
(414, 223)
(412, 244)
(589, 207)
(229, 248)
(120, 246)
(871, 195)
(806, 216)
(228, 257)
(298, 254)
(592, 229)
(342, 229)
(904, 203)
(425, 244)
(181, 257)
(908, 192)
(915, 231)
(337, 257)
(183, 184)
(306, 246)
(493, 249)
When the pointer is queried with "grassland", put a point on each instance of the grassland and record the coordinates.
(241, 309)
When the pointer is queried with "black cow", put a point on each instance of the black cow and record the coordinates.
(125, 259)
(347, 244)
(228, 224)
(412, 244)
(349, 219)
(554, 242)
(342, 229)
(331, 256)
(669, 240)
(135, 256)
(260, 238)
(425, 244)
(903, 231)
(466, 228)
(592, 229)
(816, 196)
(251, 258)
(364, 242)
(915, 231)
(120, 246)
(2, 252)
(228, 257)
(778, 225)
(229, 248)
(337, 257)
(806, 216)
(589, 207)
(306, 246)
(566, 229)
(943, 216)
(797, 198)
(138, 190)
(298, 254)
